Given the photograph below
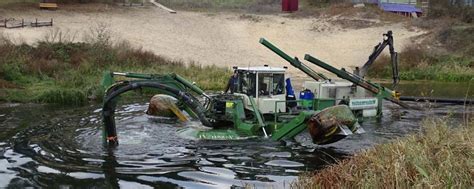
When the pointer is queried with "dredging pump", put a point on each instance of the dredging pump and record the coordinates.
(258, 107)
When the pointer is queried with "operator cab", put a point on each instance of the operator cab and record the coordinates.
(266, 85)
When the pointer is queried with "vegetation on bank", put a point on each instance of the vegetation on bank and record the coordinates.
(446, 52)
(57, 70)
(418, 63)
(438, 157)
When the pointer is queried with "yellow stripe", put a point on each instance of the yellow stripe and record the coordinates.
(331, 132)
(178, 112)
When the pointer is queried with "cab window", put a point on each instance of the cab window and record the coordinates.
(278, 84)
(265, 83)
(247, 83)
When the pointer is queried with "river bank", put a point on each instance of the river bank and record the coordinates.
(65, 72)
(441, 54)
(70, 72)
(439, 156)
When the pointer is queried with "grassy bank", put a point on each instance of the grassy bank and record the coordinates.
(440, 156)
(56, 70)
(443, 53)
(418, 63)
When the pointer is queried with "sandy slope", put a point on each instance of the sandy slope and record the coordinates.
(223, 39)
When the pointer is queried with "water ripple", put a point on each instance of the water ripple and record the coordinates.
(63, 147)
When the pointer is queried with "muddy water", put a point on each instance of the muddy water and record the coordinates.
(435, 89)
(59, 146)
(51, 146)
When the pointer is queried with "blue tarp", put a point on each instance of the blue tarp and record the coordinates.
(395, 7)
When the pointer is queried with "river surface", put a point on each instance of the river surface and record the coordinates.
(61, 147)
(438, 89)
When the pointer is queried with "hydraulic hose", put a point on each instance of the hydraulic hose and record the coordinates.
(108, 109)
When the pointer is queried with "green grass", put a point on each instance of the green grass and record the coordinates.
(4, 2)
(438, 157)
(446, 54)
(438, 68)
(70, 73)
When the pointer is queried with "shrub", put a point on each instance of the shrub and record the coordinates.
(69, 73)
(454, 9)
(439, 157)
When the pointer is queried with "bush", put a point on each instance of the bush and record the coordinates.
(454, 9)
(458, 39)
(438, 157)
(447, 54)
(65, 72)
(62, 96)
(417, 63)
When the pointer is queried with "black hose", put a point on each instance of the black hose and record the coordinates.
(439, 100)
(108, 109)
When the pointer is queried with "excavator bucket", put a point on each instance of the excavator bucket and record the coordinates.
(165, 106)
(327, 126)
(332, 124)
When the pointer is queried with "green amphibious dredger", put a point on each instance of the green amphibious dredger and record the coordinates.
(261, 104)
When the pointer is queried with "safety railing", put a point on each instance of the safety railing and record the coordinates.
(276, 113)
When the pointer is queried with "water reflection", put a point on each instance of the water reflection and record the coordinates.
(435, 89)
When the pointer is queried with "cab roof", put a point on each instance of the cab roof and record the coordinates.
(262, 69)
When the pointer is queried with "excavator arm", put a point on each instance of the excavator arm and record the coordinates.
(379, 91)
(294, 61)
(169, 84)
(387, 41)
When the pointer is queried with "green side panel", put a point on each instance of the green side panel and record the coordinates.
(248, 128)
(320, 104)
(297, 130)
(307, 103)
(235, 109)
(293, 127)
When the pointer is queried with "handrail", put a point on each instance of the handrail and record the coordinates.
(276, 106)
(257, 114)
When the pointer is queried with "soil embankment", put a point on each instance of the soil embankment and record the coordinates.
(224, 39)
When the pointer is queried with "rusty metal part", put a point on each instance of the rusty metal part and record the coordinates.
(324, 127)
